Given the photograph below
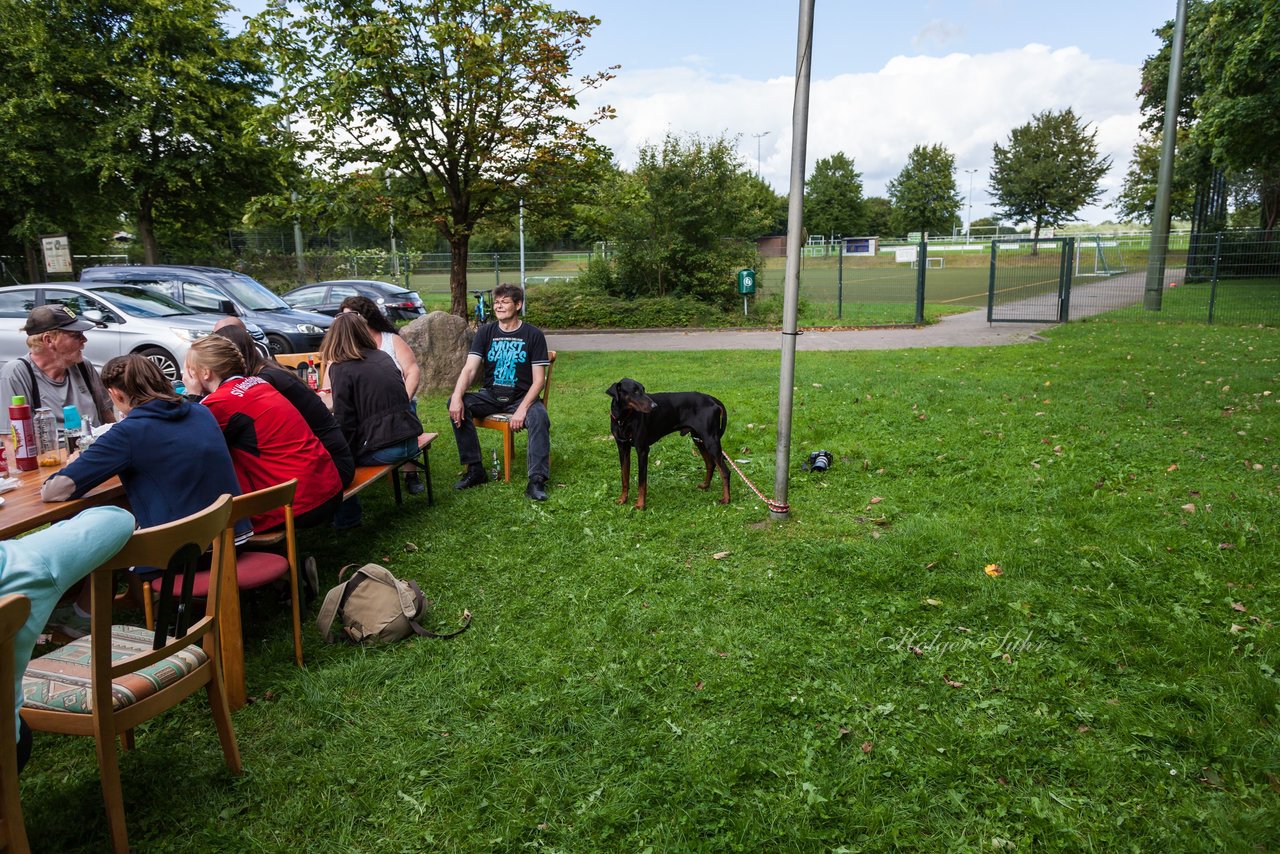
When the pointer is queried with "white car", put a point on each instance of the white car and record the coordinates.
(131, 319)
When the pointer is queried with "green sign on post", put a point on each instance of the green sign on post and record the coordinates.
(746, 286)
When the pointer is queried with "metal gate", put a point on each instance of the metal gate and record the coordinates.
(1030, 280)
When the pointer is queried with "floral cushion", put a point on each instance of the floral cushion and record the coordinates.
(60, 681)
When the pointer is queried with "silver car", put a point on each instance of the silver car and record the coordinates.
(131, 319)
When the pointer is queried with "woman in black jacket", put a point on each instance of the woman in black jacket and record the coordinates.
(369, 402)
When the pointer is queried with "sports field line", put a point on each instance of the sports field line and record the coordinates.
(998, 290)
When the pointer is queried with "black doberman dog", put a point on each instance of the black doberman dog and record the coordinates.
(638, 420)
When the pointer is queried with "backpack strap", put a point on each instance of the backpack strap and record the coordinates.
(35, 386)
(334, 600)
(423, 605)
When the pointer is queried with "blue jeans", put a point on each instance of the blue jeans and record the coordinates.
(350, 514)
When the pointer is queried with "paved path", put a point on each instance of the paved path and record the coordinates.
(958, 330)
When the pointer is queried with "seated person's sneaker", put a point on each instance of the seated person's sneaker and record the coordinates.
(537, 488)
(474, 476)
(414, 483)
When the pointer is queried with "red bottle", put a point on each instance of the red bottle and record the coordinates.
(24, 434)
(313, 375)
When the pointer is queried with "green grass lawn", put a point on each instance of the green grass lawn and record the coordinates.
(695, 677)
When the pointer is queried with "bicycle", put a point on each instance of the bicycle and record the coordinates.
(482, 306)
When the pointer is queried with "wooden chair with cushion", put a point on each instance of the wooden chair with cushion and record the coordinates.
(14, 611)
(248, 570)
(502, 422)
(117, 677)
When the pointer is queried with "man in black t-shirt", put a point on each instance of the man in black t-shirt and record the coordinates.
(514, 358)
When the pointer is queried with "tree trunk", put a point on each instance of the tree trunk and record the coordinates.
(1269, 202)
(35, 270)
(459, 248)
(146, 230)
(1035, 237)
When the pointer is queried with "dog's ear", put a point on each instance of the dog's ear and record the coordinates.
(612, 391)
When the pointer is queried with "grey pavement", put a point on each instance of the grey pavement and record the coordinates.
(958, 330)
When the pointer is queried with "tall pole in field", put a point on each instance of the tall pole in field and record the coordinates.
(795, 236)
(1153, 292)
(968, 217)
(759, 136)
(524, 298)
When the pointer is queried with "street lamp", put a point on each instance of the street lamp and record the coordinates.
(968, 217)
(758, 137)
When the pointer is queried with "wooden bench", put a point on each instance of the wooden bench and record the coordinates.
(364, 476)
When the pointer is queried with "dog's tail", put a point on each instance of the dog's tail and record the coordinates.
(722, 423)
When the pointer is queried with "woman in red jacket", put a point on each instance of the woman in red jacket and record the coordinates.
(269, 441)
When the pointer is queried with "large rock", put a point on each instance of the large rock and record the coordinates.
(440, 341)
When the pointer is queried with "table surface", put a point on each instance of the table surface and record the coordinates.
(24, 511)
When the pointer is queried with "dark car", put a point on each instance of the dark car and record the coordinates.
(326, 297)
(212, 289)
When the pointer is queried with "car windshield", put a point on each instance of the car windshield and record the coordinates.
(141, 302)
(250, 293)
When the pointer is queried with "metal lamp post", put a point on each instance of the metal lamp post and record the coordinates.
(758, 137)
(968, 217)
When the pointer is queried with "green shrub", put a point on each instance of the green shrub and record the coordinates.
(576, 307)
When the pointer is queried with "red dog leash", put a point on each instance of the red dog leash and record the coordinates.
(774, 506)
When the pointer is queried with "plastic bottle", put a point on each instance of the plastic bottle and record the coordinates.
(86, 432)
(24, 434)
(48, 448)
(313, 375)
(71, 426)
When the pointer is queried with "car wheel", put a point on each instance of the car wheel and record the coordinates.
(161, 359)
(278, 344)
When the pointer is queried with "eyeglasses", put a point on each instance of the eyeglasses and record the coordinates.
(504, 301)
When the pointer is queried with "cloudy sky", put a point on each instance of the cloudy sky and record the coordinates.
(886, 77)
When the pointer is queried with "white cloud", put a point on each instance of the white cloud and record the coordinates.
(965, 102)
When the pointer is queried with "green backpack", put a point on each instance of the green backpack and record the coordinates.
(376, 607)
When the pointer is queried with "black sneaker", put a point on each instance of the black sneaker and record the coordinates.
(537, 488)
(414, 483)
(474, 477)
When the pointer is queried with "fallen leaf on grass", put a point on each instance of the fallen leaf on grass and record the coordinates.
(844, 730)
(1173, 467)
(1226, 546)
(1273, 781)
(933, 603)
(867, 747)
(697, 686)
(917, 650)
(542, 826)
(875, 500)
(1082, 728)
(951, 682)
(721, 555)
(1237, 606)
(1189, 508)
(410, 548)
(993, 569)
(1210, 778)
(1236, 628)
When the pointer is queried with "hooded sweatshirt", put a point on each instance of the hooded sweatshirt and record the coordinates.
(171, 458)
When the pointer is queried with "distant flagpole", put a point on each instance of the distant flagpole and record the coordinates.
(795, 238)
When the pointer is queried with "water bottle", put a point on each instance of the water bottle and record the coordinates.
(86, 432)
(496, 469)
(48, 448)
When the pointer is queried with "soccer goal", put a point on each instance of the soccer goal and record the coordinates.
(929, 263)
(1098, 257)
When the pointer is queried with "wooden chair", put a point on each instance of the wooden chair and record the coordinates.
(105, 684)
(14, 611)
(248, 570)
(502, 422)
(294, 360)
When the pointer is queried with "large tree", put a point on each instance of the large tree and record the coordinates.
(136, 106)
(1137, 199)
(924, 193)
(1230, 103)
(472, 102)
(833, 198)
(684, 220)
(1049, 170)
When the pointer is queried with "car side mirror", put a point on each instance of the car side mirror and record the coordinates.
(228, 307)
(95, 316)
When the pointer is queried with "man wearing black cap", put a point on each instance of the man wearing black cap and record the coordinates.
(54, 373)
